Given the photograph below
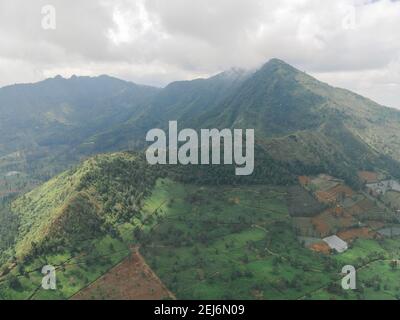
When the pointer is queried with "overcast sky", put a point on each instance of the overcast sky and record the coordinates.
(348, 43)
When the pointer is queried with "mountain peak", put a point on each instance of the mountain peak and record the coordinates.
(277, 61)
(275, 64)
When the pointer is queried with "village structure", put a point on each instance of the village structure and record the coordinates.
(332, 215)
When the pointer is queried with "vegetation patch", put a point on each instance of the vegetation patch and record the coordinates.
(301, 203)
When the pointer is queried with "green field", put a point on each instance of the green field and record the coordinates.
(74, 270)
(221, 243)
(216, 243)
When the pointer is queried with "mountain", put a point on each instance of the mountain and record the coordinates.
(54, 123)
(91, 216)
(49, 118)
(303, 126)
(299, 120)
(186, 101)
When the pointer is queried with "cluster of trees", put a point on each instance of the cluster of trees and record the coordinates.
(266, 171)
(9, 223)
(121, 185)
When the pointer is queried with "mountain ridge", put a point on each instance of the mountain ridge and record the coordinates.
(107, 114)
(112, 198)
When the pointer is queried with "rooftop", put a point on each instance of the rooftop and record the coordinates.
(334, 242)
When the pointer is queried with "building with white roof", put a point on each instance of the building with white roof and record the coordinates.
(334, 242)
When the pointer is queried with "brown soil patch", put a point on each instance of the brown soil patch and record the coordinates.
(368, 176)
(304, 180)
(132, 279)
(366, 205)
(331, 220)
(352, 234)
(321, 247)
(341, 189)
(333, 194)
(325, 197)
(321, 225)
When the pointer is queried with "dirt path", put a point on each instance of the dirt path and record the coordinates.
(267, 249)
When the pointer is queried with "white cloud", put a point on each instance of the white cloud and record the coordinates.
(354, 44)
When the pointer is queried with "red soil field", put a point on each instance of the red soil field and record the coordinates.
(352, 234)
(321, 225)
(368, 176)
(132, 279)
(304, 180)
(333, 194)
(331, 219)
(340, 189)
(321, 247)
(325, 197)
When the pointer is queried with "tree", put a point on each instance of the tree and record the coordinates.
(14, 282)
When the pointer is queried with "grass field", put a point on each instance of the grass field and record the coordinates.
(200, 251)
(73, 270)
(213, 243)
(225, 243)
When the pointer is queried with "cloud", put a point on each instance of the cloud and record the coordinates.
(350, 43)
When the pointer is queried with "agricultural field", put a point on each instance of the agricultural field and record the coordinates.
(392, 199)
(221, 243)
(378, 272)
(132, 279)
(323, 182)
(368, 224)
(75, 270)
(263, 257)
(368, 176)
(301, 203)
(242, 242)
(347, 209)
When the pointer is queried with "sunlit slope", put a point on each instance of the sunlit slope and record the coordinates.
(82, 202)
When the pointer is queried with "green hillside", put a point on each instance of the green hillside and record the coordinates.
(83, 202)
(203, 241)
(205, 232)
(42, 123)
(298, 119)
(78, 117)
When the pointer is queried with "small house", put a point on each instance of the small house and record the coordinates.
(335, 243)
